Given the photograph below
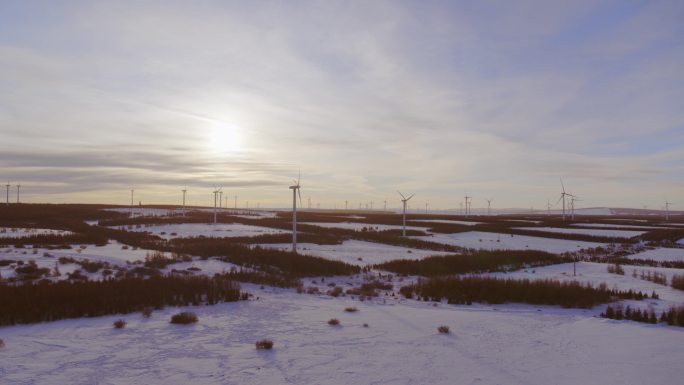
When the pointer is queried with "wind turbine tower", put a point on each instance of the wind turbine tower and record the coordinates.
(295, 191)
(562, 197)
(184, 192)
(236, 202)
(667, 210)
(345, 204)
(385, 207)
(132, 197)
(426, 207)
(404, 200)
(489, 206)
(216, 197)
(18, 187)
(467, 207)
(8, 188)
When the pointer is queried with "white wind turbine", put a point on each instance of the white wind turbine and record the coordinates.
(216, 197)
(295, 192)
(489, 206)
(185, 190)
(404, 200)
(667, 209)
(573, 199)
(562, 197)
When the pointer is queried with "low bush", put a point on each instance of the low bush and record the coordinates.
(2, 343)
(184, 318)
(443, 329)
(264, 344)
(351, 309)
(147, 312)
(477, 262)
(678, 281)
(459, 290)
(616, 269)
(119, 324)
(333, 322)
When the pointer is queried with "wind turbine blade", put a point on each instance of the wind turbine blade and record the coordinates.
(562, 185)
(300, 197)
(559, 199)
(410, 197)
(299, 176)
(402, 195)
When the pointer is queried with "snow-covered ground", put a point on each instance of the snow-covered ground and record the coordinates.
(504, 344)
(597, 273)
(493, 241)
(596, 232)
(219, 230)
(113, 253)
(360, 226)
(448, 221)
(660, 254)
(617, 226)
(350, 251)
(17, 232)
(142, 211)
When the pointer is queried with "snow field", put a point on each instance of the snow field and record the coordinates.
(401, 345)
(660, 254)
(496, 241)
(12, 232)
(596, 232)
(218, 230)
(359, 226)
(350, 251)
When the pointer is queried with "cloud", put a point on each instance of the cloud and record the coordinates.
(363, 97)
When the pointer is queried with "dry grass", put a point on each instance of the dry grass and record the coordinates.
(264, 344)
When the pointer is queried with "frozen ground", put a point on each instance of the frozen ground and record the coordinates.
(597, 273)
(494, 241)
(596, 232)
(618, 226)
(505, 344)
(360, 226)
(660, 254)
(112, 253)
(17, 232)
(447, 221)
(219, 230)
(350, 251)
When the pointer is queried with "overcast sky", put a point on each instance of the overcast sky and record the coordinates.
(498, 99)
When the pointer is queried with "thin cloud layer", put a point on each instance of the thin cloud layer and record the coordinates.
(440, 98)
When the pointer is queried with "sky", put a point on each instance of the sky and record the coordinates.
(494, 99)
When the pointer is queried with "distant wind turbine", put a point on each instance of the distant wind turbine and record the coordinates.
(295, 191)
(467, 205)
(667, 209)
(426, 207)
(573, 199)
(185, 190)
(216, 197)
(548, 207)
(8, 188)
(404, 200)
(489, 206)
(132, 190)
(18, 187)
(385, 206)
(562, 197)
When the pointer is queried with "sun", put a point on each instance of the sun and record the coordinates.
(225, 138)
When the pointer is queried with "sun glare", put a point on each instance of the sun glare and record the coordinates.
(225, 138)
